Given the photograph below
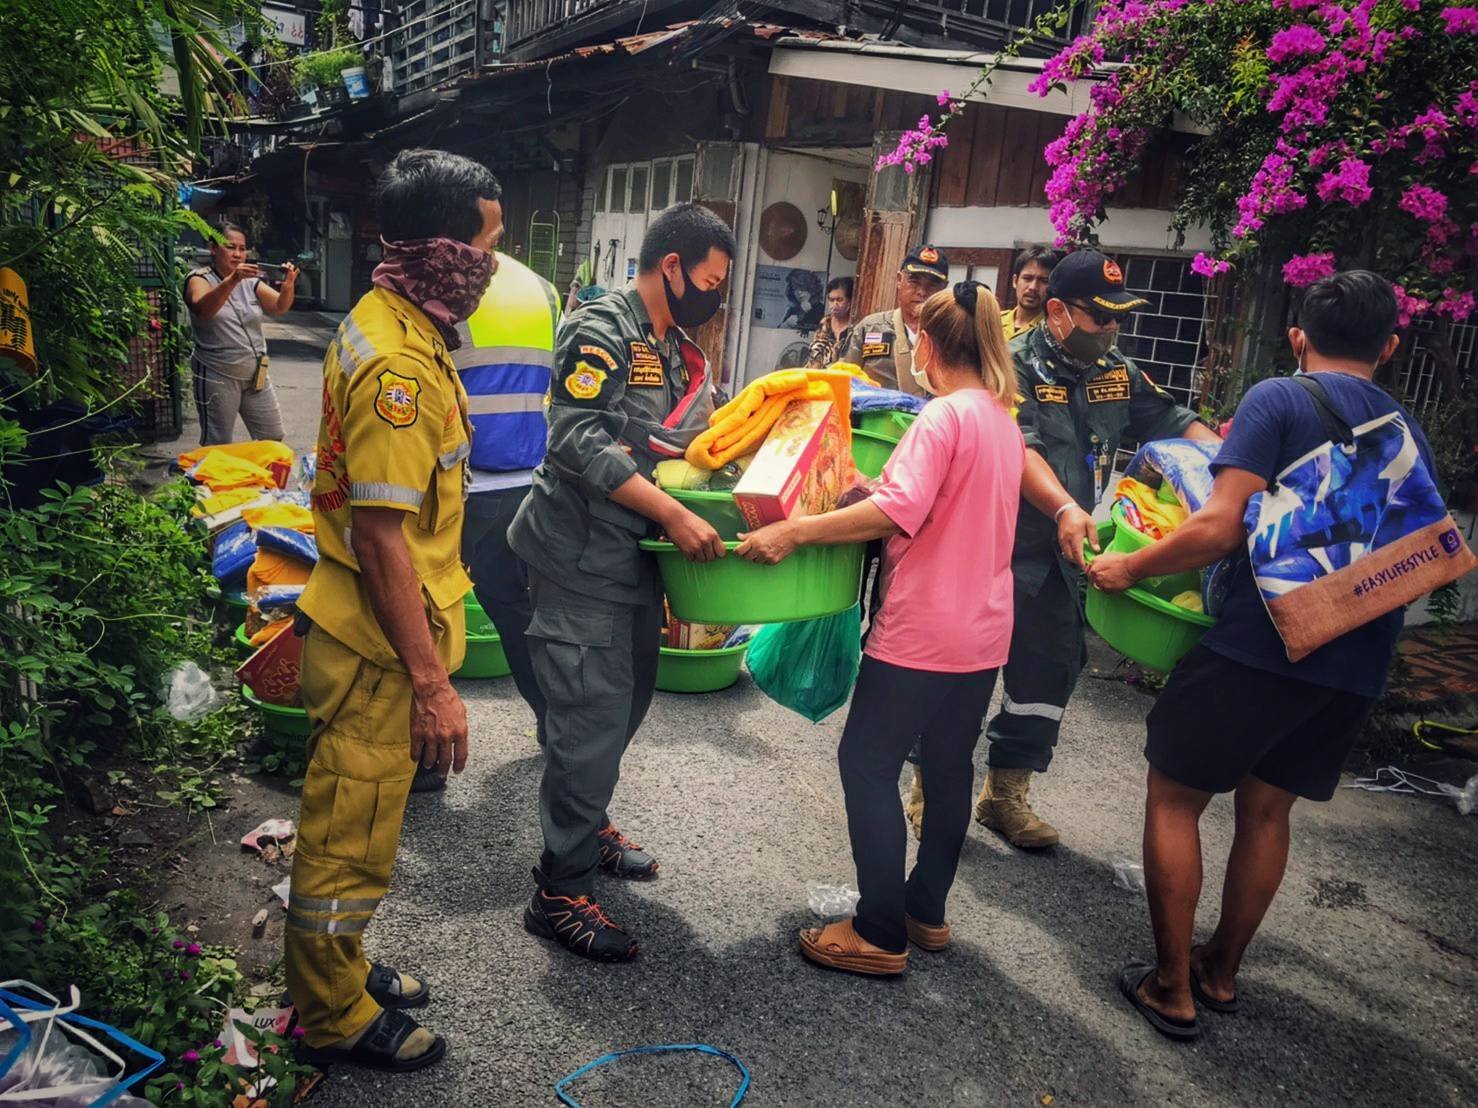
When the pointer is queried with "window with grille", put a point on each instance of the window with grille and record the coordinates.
(1166, 338)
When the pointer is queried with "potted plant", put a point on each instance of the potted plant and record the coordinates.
(322, 71)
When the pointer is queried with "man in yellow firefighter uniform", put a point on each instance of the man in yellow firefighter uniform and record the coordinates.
(383, 609)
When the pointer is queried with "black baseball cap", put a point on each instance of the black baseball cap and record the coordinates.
(1089, 276)
(928, 260)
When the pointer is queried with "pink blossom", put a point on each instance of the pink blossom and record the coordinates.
(1412, 5)
(1461, 21)
(1305, 269)
(190, 1056)
(1350, 183)
(1208, 266)
(1466, 107)
(944, 99)
(193, 950)
(1409, 306)
(1424, 202)
(1294, 41)
(1457, 306)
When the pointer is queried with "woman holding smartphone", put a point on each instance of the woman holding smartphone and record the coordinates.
(227, 300)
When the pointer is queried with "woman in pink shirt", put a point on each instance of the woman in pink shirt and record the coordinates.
(946, 504)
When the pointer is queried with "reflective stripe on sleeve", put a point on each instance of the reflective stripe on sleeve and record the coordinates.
(356, 343)
(452, 457)
(383, 490)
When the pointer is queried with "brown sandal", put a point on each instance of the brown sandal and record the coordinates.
(927, 936)
(838, 946)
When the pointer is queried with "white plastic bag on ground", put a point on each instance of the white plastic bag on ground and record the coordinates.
(1392, 780)
(832, 900)
(188, 693)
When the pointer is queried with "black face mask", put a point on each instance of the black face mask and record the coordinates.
(694, 307)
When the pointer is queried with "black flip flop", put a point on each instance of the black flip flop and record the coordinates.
(1209, 1002)
(376, 1048)
(383, 985)
(1130, 979)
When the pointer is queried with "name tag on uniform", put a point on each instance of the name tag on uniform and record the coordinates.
(1113, 385)
(646, 367)
(1051, 394)
(875, 346)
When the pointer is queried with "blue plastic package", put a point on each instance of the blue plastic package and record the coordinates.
(295, 544)
(276, 598)
(1184, 463)
(233, 553)
(865, 398)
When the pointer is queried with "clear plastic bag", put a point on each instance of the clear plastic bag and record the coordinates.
(1183, 464)
(832, 900)
(188, 693)
(1128, 876)
(52, 1057)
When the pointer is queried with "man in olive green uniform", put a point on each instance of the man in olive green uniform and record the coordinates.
(882, 343)
(629, 390)
(384, 604)
(1079, 398)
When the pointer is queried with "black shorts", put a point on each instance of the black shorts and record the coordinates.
(1219, 721)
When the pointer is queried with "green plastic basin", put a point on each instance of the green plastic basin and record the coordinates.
(279, 720)
(699, 671)
(718, 508)
(243, 641)
(813, 582)
(478, 621)
(1139, 624)
(890, 425)
(233, 598)
(485, 658)
(1126, 540)
(871, 451)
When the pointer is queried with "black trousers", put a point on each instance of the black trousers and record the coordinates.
(891, 708)
(501, 583)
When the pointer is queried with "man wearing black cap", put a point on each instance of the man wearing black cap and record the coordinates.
(882, 344)
(1078, 398)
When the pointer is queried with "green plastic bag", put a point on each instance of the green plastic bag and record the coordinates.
(811, 665)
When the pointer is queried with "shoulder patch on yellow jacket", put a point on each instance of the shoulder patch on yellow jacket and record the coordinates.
(397, 400)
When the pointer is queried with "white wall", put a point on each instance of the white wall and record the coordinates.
(804, 180)
(1124, 229)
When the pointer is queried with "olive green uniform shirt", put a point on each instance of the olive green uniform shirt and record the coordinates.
(1076, 419)
(613, 386)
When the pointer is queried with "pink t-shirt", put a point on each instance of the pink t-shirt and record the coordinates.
(952, 487)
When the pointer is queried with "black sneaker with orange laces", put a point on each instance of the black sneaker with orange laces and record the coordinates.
(578, 925)
(624, 858)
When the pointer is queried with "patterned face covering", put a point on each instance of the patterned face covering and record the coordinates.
(441, 276)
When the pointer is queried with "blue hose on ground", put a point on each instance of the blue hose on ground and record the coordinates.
(668, 1048)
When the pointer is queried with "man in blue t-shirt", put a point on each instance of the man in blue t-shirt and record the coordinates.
(1237, 715)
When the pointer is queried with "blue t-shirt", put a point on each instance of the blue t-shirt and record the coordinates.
(1275, 425)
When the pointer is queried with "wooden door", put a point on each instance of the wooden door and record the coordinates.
(890, 228)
